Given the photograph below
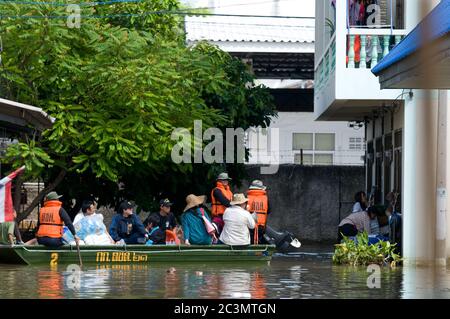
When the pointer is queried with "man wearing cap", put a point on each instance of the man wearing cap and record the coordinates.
(237, 222)
(127, 226)
(167, 220)
(221, 196)
(52, 218)
(258, 203)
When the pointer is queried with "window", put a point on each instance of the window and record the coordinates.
(324, 142)
(302, 141)
(307, 159)
(323, 159)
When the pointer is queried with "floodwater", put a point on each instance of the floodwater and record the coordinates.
(305, 275)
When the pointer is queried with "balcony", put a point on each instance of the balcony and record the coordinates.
(345, 88)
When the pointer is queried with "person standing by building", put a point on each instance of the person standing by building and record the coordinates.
(221, 196)
(258, 203)
(356, 223)
(395, 228)
(52, 218)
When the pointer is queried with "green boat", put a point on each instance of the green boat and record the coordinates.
(132, 254)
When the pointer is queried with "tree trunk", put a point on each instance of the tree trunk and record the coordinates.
(18, 182)
(41, 195)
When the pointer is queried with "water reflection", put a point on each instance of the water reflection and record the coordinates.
(50, 283)
(426, 282)
(305, 276)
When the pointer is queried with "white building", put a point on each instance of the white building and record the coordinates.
(401, 124)
(280, 52)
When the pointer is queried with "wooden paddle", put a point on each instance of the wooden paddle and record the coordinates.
(79, 253)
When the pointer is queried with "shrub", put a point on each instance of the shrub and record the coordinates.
(360, 253)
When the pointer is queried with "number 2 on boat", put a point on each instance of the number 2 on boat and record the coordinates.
(54, 259)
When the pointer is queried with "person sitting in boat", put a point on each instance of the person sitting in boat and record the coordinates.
(258, 202)
(126, 226)
(52, 218)
(166, 217)
(237, 222)
(155, 235)
(356, 223)
(90, 227)
(167, 221)
(221, 196)
(195, 232)
(7, 231)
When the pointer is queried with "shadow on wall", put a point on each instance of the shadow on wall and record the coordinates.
(310, 201)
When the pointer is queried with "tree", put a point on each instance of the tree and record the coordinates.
(116, 89)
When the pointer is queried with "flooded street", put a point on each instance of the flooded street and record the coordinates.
(306, 275)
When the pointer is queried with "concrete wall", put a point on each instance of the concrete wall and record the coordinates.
(305, 200)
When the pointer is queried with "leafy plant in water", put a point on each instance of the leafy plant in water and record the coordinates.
(360, 253)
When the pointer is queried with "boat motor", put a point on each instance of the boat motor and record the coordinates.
(282, 240)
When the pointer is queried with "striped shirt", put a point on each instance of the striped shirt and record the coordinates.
(360, 220)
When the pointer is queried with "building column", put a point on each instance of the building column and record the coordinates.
(447, 160)
(441, 180)
(419, 183)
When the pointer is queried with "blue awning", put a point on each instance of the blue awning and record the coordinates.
(436, 25)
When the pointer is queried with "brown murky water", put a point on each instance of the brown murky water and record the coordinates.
(288, 276)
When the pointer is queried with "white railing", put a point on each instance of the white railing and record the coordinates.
(366, 47)
(325, 65)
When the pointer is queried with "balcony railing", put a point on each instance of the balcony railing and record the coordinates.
(365, 48)
(326, 65)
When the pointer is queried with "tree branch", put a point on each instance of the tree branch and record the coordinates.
(42, 194)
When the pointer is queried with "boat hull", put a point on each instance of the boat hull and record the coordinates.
(133, 254)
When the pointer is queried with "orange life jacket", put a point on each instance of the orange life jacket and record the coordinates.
(172, 238)
(217, 207)
(258, 202)
(50, 223)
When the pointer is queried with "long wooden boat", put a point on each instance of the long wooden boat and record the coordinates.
(133, 254)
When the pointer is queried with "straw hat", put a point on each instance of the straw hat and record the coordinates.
(257, 184)
(193, 200)
(238, 199)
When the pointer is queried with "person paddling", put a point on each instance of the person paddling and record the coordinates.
(52, 218)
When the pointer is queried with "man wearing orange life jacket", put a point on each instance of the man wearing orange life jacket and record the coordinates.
(52, 218)
(258, 203)
(221, 196)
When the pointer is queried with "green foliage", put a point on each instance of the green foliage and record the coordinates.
(116, 88)
(360, 253)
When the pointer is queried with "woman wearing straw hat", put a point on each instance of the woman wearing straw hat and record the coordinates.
(194, 229)
(237, 222)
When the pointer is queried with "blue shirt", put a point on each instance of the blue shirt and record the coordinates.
(123, 227)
